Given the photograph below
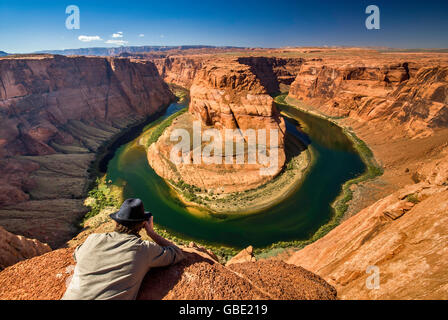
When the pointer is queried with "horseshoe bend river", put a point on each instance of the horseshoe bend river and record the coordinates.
(297, 217)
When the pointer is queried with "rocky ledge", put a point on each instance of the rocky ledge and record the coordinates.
(198, 277)
(411, 94)
(17, 248)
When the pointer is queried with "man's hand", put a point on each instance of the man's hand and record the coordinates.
(161, 241)
(149, 226)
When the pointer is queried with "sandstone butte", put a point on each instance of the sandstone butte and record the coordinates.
(395, 102)
(224, 95)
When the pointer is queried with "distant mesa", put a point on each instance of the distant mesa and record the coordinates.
(104, 51)
(3, 53)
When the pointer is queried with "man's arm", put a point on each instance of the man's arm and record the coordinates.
(165, 252)
(161, 241)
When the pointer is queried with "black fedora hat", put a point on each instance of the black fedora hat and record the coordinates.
(131, 210)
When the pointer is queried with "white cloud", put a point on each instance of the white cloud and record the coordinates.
(141, 35)
(89, 38)
(119, 34)
(117, 42)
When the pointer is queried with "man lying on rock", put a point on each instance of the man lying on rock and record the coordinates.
(112, 265)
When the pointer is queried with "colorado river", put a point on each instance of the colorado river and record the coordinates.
(335, 161)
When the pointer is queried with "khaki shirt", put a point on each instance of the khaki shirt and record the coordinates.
(113, 265)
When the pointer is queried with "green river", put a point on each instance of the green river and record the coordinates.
(335, 161)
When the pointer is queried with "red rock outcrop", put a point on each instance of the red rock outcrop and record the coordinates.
(406, 93)
(56, 112)
(17, 248)
(224, 95)
(180, 70)
(198, 277)
(272, 72)
(404, 236)
(245, 255)
(38, 95)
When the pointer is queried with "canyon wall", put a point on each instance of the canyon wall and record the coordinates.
(56, 112)
(272, 72)
(396, 223)
(224, 95)
(412, 95)
(180, 70)
(403, 236)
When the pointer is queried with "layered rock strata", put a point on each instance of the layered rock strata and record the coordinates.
(272, 72)
(56, 113)
(394, 249)
(225, 96)
(407, 94)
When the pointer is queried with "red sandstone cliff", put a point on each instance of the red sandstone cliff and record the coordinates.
(411, 95)
(272, 72)
(38, 95)
(56, 112)
(397, 105)
(180, 70)
(404, 235)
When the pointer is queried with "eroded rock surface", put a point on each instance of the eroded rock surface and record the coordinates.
(198, 277)
(17, 248)
(404, 235)
(224, 95)
(392, 92)
(56, 113)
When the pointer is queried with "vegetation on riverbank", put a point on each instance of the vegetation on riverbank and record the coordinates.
(182, 94)
(340, 205)
(219, 204)
(106, 198)
(102, 196)
(160, 128)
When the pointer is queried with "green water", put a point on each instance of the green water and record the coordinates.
(295, 218)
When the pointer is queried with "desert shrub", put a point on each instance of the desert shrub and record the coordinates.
(102, 198)
(158, 131)
(413, 198)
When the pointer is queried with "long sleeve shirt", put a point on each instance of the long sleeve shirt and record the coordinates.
(112, 266)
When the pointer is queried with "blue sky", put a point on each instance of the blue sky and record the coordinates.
(27, 26)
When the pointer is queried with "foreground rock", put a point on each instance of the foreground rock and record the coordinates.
(224, 95)
(245, 255)
(404, 235)
(198, 277)
(56, 113)
(17, 248)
